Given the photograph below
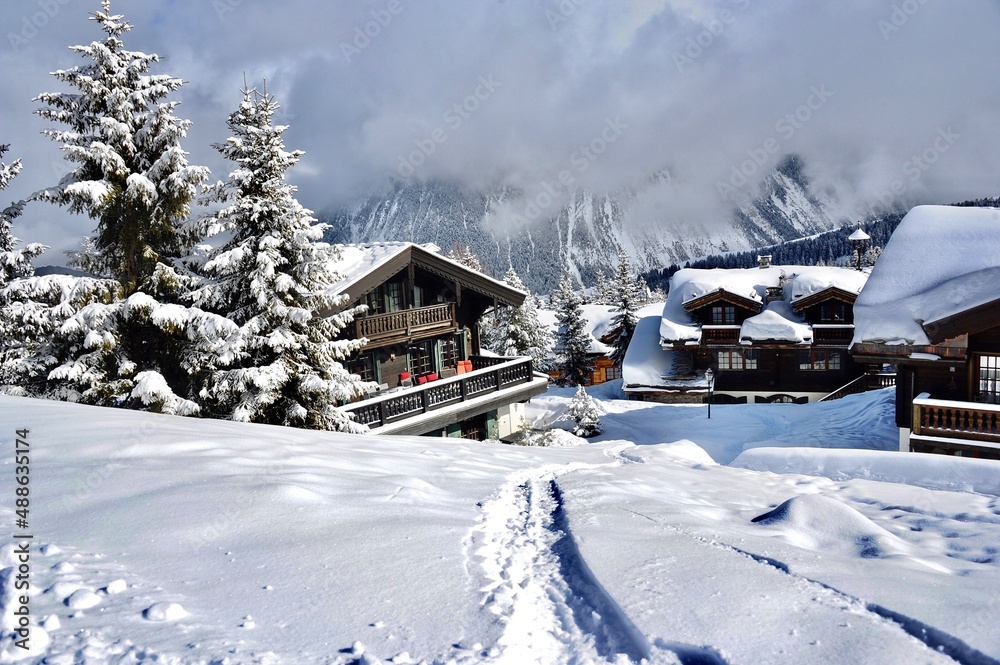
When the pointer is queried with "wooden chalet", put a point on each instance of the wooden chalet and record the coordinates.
(769, 334)
(423, 345)
(932, 310)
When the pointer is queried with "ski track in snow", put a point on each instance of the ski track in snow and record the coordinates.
(931, 637)
(540, 588)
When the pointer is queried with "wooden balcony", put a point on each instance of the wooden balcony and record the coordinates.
(955, 426)
(832, 334)
(722, 335)
(407, 323)
(490, 375)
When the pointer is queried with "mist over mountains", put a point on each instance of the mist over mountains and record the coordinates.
(584, 233)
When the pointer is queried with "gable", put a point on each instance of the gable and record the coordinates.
(826, 295)
(974, 320)
(719, 296)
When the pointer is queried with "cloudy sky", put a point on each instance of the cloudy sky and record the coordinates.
(882, 99)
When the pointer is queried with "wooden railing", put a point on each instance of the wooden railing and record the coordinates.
(406, 322)
(831, 334)
(862, 384)
(956, 420)
(409, 402)
(720, 334)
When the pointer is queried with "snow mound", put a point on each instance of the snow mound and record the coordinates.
(82, 599)
(936, 472)
(164, 612)
(824, 524)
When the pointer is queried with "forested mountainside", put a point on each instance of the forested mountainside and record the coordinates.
(587, 232)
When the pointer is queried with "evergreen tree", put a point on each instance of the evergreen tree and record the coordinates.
(583, 412)
(516, 331)
(466, 257)
(572, 338)
(13, 263)
(131, 174)
(271, 278)
(626, 292)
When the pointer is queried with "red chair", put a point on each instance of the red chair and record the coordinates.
(432, 376)
(460, 367)
(405, 380)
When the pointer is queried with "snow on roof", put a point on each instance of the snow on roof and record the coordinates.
(777, 322)
(647, 365)
(798, 282)
(859, 235)
(940, 261)
(359, 260)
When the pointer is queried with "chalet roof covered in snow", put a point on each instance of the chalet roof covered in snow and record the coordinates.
(646, 365)
(778, 320)
(939, 262)
(361, 261)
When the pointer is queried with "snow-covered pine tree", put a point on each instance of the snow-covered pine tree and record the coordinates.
(16, 331)
(516, 331)
(465, 256)
(133, 178)
(131, 174)
(13, 263)
(583, 412)
(572, 338)
(271, 279)
(626, 300)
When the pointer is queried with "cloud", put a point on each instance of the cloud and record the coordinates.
(698, 87)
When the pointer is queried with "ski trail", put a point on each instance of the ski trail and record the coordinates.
(552, 608)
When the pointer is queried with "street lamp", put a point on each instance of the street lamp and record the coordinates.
(859, 241)
(710, 377)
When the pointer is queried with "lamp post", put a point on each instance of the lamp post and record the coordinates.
(710, 377)
(859, 241)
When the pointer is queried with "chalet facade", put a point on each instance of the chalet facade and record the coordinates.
(932, 309)
(769, 334)
(423, 345)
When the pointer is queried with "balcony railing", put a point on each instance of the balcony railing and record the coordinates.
(406, 322)
(729, 335)
(488, 375)
(966, 421)
(832, 334)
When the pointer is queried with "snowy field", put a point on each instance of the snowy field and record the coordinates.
(768, 534)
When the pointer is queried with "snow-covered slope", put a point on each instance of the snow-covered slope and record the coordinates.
(586, 233)
(174, 540)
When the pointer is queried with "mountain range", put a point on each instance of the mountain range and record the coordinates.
(585, 233)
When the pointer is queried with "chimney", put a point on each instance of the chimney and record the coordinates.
(764, 261)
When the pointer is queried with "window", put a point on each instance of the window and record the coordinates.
(989, 379)
(832, 312)
(393, 296)
(723, 315)
(385, 298)
(420, 358)
(738, 360)
(363, 366)
(819, 360)
(451, 350)
(612, 373)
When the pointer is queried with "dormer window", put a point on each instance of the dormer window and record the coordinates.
(832, 312)
(723, 315)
